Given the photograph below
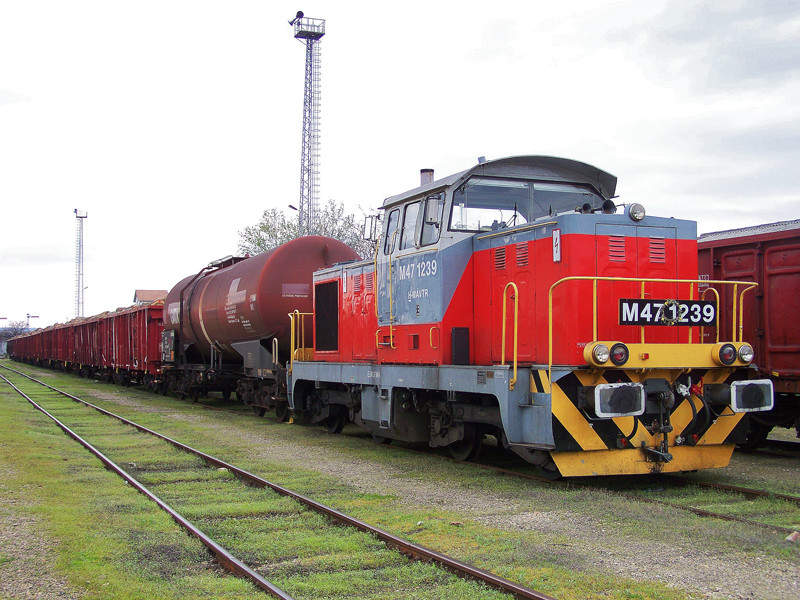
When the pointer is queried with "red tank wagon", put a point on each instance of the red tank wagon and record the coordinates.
(225, 324)
(769, 255)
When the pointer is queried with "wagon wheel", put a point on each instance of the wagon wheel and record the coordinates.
(468, 448)
(259, 411)
(335, 423)
(195, 393)
(226, 395)
(282, 410)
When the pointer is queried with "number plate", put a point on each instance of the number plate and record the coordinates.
(635, 311)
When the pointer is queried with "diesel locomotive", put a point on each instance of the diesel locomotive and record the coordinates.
(515, 300)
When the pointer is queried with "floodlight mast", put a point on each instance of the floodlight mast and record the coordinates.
(309, 31)
(80, 216)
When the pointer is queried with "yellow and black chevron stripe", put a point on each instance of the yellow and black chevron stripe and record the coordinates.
(592, 447)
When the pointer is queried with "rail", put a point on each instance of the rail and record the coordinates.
(513, 380)
(737, 312)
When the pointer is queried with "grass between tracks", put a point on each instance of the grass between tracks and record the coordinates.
(564, 566)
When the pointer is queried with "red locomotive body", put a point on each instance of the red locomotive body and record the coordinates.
(770, 256)
(511, 300)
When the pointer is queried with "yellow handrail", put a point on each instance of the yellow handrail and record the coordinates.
(297, 340)
(642, 281)
(513, 380)
(716, 317)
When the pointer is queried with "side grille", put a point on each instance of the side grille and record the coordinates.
(368, 283)
(357, 284)
(522, 254)
(499, 258)
(658, 250)
(616, 248)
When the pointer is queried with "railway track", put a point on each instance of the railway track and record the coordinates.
(168, 466)
(667, 479)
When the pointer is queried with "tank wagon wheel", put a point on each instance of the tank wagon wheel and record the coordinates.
(336, 422)
(282, 411)
(259, 411)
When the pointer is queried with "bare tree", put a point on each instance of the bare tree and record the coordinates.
(13, 329)
(275, 229)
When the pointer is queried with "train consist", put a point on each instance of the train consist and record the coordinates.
(510, 300)
(770, 256)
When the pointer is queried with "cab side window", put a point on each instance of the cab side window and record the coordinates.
(409, 226)
(431, 220)
(391, 231)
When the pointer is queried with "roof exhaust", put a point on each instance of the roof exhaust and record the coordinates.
(425, 176)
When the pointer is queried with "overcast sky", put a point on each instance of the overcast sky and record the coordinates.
(175, 124)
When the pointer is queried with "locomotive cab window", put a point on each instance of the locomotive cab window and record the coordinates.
(407, 239)
(391, 231)
(483, 204)
(431, 220)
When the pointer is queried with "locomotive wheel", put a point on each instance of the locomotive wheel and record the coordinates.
(335, 423)
(548, 470)
(259, 411)
(757, 433)
(466, 449)
(282, 411)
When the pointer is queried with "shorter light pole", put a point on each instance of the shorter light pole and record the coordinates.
(28, 322)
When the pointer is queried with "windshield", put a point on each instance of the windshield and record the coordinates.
(485, 204)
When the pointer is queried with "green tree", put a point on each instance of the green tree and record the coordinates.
(274, 229)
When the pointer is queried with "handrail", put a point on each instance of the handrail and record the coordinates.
(513, 380)
(297, 340)
(716, 318)
(430, 337)
(391, 301)
(750, 285)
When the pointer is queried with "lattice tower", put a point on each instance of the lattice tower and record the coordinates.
(310, 31)
(80, 217)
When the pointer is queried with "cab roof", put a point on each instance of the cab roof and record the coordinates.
(542, 168)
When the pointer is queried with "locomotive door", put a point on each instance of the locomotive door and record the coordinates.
(513, 264)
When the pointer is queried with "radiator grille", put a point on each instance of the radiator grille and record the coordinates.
(522, 254)
(499, 258)
(368, 283)
(658, 250)
(616, 248)
(356, 284)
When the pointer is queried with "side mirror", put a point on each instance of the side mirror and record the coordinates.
(371, 228)
(433, 208)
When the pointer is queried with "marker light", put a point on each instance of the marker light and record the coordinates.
(636, 212)
(727, 354)
(600, 353)
(619, 354)
(746, 353)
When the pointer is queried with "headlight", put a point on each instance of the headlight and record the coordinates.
(727, 354)
(600, 353)
(619, 354)
(636, 212)
(746, 353)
